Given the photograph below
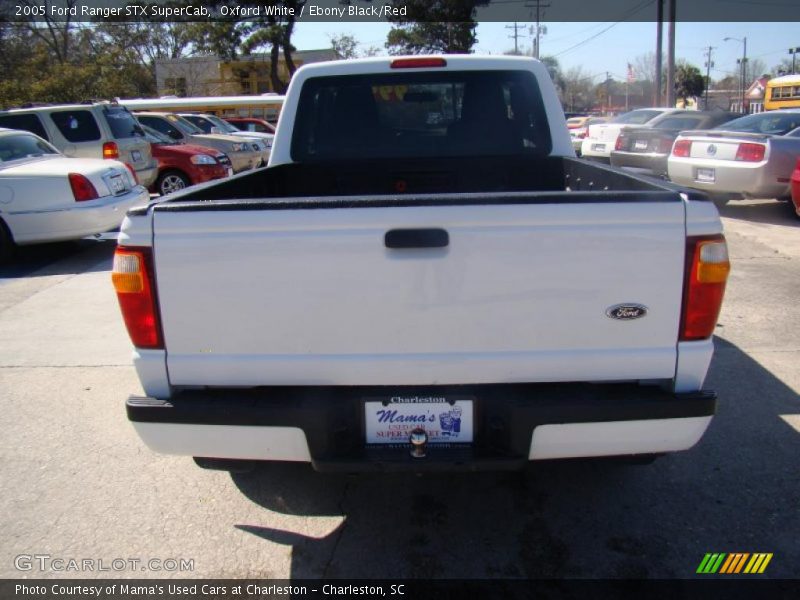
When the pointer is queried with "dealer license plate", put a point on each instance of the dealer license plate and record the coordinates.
(136, 155)
(640, 145)
(706, 175)
(117, 185)
(445, 419)
(598, 147)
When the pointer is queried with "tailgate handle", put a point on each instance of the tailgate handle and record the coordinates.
(416, 238)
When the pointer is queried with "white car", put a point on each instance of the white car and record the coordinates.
(602, 137)
(213, 124)
(752, 156)
(47, 197)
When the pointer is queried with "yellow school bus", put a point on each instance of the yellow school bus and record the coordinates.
(266, 106)
(782, 92)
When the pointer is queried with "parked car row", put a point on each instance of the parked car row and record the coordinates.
(68, 171)
(714, 151)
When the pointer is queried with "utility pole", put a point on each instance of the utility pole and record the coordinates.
(659, 47)
(793, 52)
(537, 40)
(709, 64)
(516, 27)
(608, 92)
(671, 56)
(743, 63)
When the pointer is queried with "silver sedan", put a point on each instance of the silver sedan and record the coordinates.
(752, 156)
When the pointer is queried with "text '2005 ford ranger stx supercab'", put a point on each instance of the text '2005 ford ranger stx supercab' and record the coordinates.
(423, 277)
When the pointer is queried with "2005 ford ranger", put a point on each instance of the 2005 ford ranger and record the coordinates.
(423, 277)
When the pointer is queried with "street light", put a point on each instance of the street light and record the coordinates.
(742, 62)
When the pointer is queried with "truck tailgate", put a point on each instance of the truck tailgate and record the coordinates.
(283, 294)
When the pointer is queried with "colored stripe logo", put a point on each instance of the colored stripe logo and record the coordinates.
(734, 563)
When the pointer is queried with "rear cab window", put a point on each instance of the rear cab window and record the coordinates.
(25, 122)
(76, 125)
(420, 114)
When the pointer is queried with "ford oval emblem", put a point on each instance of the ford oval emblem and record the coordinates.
(711, 149)
(627, 312)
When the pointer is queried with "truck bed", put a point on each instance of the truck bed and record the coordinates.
(457, 178)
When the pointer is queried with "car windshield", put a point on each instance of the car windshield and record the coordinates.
(199, 122)
(156, 137)
(19, 146)
(184, 125)
(223, 126)
(773, 123)
(637, 117)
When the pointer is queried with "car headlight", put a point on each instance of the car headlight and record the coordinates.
(203, 159)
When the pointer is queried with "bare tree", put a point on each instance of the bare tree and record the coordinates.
(577, 92)
(56, 34)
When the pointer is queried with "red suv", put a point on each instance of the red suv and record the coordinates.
(182, 165)
(251, 124)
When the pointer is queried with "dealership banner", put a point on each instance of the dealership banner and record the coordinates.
(400, 589)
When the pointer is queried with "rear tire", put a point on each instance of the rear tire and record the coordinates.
(231, 465)
(792, 207)
(172, 181)
(7, 245)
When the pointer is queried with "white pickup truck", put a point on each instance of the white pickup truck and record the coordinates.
(425, 277)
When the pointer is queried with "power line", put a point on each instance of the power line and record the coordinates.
(635, 10)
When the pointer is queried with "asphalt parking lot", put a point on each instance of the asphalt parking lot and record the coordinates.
(77, 482)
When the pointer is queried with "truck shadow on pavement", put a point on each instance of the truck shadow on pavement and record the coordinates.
(772, 212)
(736, 490)
(61, 258)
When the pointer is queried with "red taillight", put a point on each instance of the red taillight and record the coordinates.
(750, 152)
(132, 276)
(133, 173)
(418, 63)
(82, 188)
(581, 134)
(665, 145)
(682, 148)
(620, 143)
(707, 268)
(110, 150)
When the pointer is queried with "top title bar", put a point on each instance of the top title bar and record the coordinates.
(392, 10)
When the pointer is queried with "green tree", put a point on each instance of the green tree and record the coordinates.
(344, 45)
(689, 82)
(434, 26)
(577, 91)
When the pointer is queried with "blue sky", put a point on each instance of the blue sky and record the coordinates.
(611, 50)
